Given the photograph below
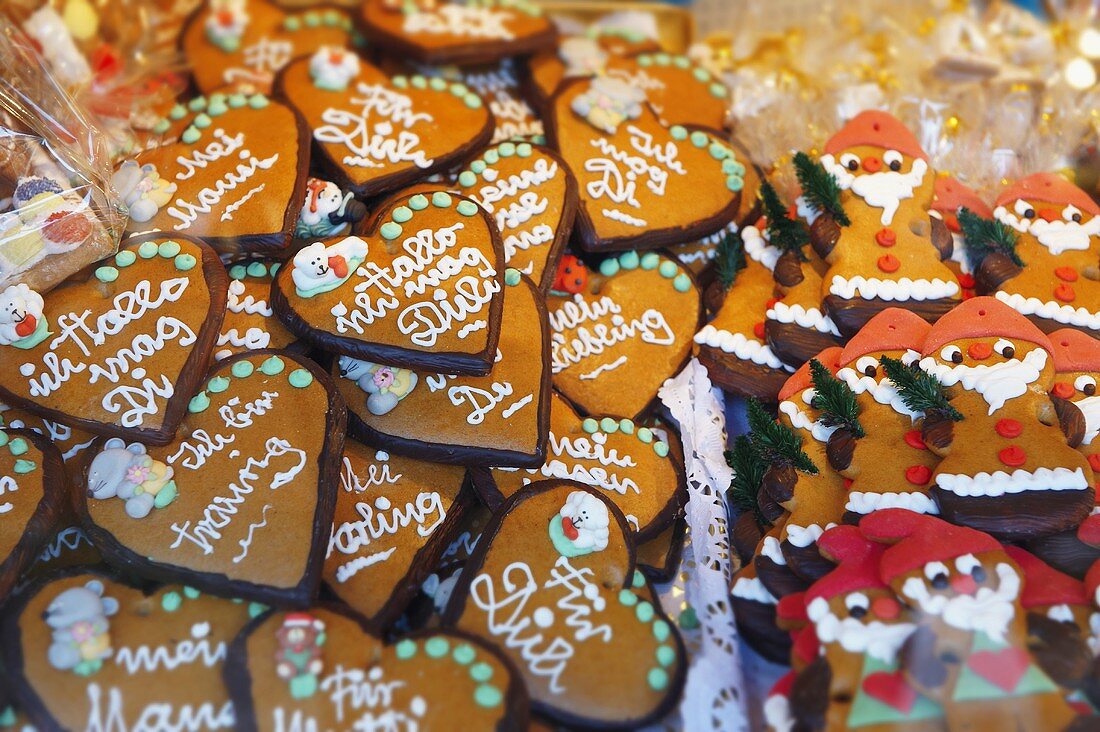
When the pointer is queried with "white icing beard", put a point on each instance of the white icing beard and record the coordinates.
(1090, 408)
(758, 248)
(882, 391)
(875, 638)
(1058, 236)
(997, 383)
(801, 421)
(777, 713)
(885, 189)
(988, 610)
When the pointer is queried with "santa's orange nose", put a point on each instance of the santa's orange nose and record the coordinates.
(872, 165)
(569, 529)
(26, 326)
(979, 351)
(1048, 214)
(964, 584)
(886, 608)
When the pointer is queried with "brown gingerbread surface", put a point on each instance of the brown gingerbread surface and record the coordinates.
(249, 321)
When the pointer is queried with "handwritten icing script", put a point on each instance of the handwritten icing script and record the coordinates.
(543, 621)
(514, 203)
(460, 20)
(224, 190)
(481, 401)
(431, 259)
(617, 173)
(586, 459)
(135, 393)
(581, 330)
(7, 487)
(514, 117)
(262, 60)
(379, 518)
(379, 132)
(360, 700)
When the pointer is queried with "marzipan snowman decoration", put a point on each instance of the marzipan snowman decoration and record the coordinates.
(227, 24)
(333, 68)
(1059, 242)
(327, 211)
(22, 320)
(318, 268)
(582, 526)
(970, 650)
(1013, 474)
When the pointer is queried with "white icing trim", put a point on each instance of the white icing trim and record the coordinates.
(812, 318)
(751, 588)
(892, 290)
(999, 483)
(1066, 314)
(801, 421)
(771, 550)
(803, 536)
(746, 349)
(864, 503)
(757, 247)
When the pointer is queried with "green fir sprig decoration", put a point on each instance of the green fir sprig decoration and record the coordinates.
(919, 390)
(748, 475)
(985, 236)
(729, 258)
(820, 188)
(784, 233)
(835, 400)
(774, 443)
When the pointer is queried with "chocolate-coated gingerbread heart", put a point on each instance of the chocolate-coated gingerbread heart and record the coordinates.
(250, 323)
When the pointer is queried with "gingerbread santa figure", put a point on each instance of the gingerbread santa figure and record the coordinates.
(950, 198)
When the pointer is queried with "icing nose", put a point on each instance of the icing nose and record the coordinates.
(964, 584)
(569, 529)
(872, 165)
(979, 351)
(886, 608)
(1048, 214)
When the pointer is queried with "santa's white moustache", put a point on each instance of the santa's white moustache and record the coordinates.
(879, 640)
(988, 610)
(997, 383)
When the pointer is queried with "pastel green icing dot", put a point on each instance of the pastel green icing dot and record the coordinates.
(241, 369)
(467, 178)
(661, 631)
(106, 274)
(645, 434)
(171, 601)
(217, 385)
(405, 649)
(202, 121)
(609, 425)
(236, 101)
(682, 283)
(701, 74)
(419, 202)
(662, 59)
(401, 214)
(464, 653)
(18, 446)
(257, 269)
(524, 150)
(330, 17)
(650, 260)
(718, 151)
(312, 19)
(401, 82)
(161, 126)
(657, 678)
(629, 260)
(661, 448)
(190, 135)
(292, 24)
(699, 139)
(678, 132)
(437, 84)
(3, 438)
(185, 262)
(590, 425)
(390, 230)
(627, 598)
(437, 647)
(666, 655)
(467, 208)
(734, 183)
(459, 90)
(638, 580)
(197, 104)
(273, 268)
(125, 258)
(177, 113)
(217, 108)
(198, 403)
(238, 271)
(538, 139)
(719, 90)
(507, 150)
(473, 101)
(271, 366)
(300, 378)
(256, 608)
(24, 466)
(492, 157)
(626, 426)
(488, 696)
(609, 267)
(419, 82)
(667, 269)
(645, 61)
(689, 620)
(644, 611)
(257, 101)
(441, 199)
(681, 62)
(478, 167)
(511, 277)
(168, 249)
(481, 672)
(191, 593)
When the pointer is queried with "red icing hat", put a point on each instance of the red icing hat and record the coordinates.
(1048, 188)
(857, 561)
(893, 329)
(983, 317)
(876, 129)
(1092, 581)
(1075, 351)
(800, 380)
(1043, 584)
(951, 195)
(1089, 531)
(918, 538)
(792, 610)
(783, 686)
(805, 646)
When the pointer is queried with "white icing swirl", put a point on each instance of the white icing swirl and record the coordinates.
(746, 349)
(751, 588)
(771, 550)
(812, 318)
(1066, 314)
(999, 483)
(803, 536)
(905, 288)
(801, 421)
(757, 247)
(864, 503)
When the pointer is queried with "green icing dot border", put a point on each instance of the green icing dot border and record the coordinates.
(611, 425)
(206, 110)
(471, 99)
(271, 365)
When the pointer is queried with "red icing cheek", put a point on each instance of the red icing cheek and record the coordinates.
(1009, 428)
(1062, 390)
(886, 608)
(1013, 456)
(914, 440)
(1066, 274)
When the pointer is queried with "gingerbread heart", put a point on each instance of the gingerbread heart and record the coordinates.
(631, 327)
(245, 43)
(448, 32)
(249, 322)
(86, 650)
(532, 196)
(394, 517)
(232, 170)
(241, 502)
(659, 558)
(120, 352)
(642, 185)
(552, 582)
(374, 134)
(32, 499)
(679, 90)
(322, 670)
(499, 84)
(423, 289)
(641, 473)
(72, 443)
(499, 419)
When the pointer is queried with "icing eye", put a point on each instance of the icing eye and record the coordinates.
(868, 366)
(1005, 348)
(910, 357)
(952, 354)
(966, 563)
(936, 572)
(1023, 208)
(857, 604)
(892, 158)
(1072, 213)
(1086, 385)
(850, 161)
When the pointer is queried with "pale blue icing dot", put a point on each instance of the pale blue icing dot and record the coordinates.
(242, 369)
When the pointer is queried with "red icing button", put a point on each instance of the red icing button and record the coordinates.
(1067, 274)
(1094, 462)
(886, 238)
(1009, 428)
(888, 263)
(771, 303)
(758, 331)
(966, 281)
(1013, 456)
(914, 440)
(918, 474)
(1065, 293)
(1063, 389)
(979, 351)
